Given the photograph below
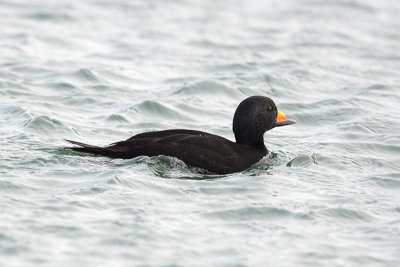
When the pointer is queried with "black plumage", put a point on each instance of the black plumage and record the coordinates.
(253, 117)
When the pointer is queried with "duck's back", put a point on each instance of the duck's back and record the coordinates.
(199, 149)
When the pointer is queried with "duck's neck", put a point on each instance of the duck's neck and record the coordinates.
(253, 141)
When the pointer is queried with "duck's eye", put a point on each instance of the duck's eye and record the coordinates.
(269, 108)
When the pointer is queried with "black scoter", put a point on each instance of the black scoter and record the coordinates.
(253, 117)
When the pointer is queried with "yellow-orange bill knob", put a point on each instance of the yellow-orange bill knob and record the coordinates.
(281, 117)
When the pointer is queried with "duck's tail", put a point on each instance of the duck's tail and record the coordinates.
(89, 148)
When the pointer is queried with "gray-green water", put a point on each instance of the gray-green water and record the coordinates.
(101, 71)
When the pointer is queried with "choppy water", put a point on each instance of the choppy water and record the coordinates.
(102, 71)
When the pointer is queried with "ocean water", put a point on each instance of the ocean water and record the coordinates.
(101, 71)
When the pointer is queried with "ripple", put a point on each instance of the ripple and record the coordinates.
(15, 111)
(16, 87)
(251, 214)
(302, 161)
(117, 118)
(50, 16)
(61, 85)
(344, 214)
(12, 187)
(208, 88)
(385, 180)
(153, 109)
(171, 167)
(86, 76)
(45, 124)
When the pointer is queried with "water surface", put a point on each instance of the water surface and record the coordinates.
(102, 71)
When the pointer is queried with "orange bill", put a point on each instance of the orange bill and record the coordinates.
(281, 120)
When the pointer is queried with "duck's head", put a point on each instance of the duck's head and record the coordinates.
(253, 117)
